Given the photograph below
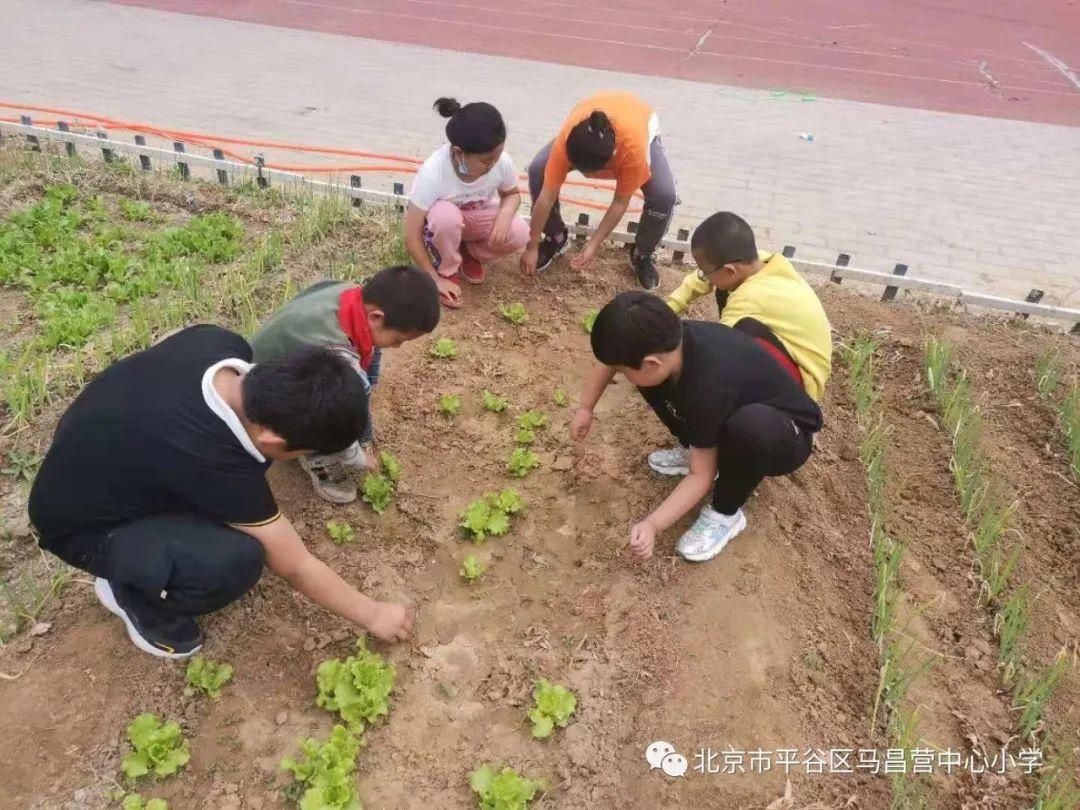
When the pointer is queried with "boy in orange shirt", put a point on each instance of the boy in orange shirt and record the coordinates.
(611, 136)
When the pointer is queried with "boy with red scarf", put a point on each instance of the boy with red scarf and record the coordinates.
(395, 305)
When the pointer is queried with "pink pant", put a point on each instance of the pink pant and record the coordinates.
(451, 227)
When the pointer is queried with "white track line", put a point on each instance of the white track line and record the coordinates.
(1062, 68)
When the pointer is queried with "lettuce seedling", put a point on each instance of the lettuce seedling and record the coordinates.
(532, 420)
(449, 405)
(472, 569)
(490, 515)
(391, 467)
(207, 677)
(358, 688)
(554, 706)
(377, 490)
(560, 398)
(445, 349)
(323, 774)
(134, 801)
(515, 313)
(494, 403)
(502, 790)
(157, 748)
(589, 320)
(340, 532)
(522, 462)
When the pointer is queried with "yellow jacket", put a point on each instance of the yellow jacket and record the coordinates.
(780, 298)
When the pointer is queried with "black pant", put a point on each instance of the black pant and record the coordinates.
(183, 564)
(758, 441)
(661, 197)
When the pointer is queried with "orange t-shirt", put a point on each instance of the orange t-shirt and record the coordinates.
(629, 166)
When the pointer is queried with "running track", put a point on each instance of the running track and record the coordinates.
(1003, 58)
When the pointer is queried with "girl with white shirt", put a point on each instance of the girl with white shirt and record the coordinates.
(464, 200)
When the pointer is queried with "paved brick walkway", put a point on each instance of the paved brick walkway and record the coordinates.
(988, 204)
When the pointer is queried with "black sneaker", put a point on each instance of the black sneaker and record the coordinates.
(642, 265)
(174, 637)
(550, 250)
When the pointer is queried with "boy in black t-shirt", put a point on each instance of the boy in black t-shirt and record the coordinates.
(156, 483)
(721, 394)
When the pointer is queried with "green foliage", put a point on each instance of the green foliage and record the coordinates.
(859, 356)
(377, 490)
(134, 210)
(340, 532)
(472, 569)
(133, 801)
(391, 466)
(522, 462)
(207, 677)
(502, 790)
(1048, 373)
(22, 465)
(157, 748)
(1035, 690)
(444, 348)
(323, 773)
(493, 402)
(490, 515)
(525, 436)
(560, 398)
(357, 688)
(515, 313)
(71, 317)
(532, 420)
(554, 706)
(215, 237)
(1070, 421)
(450, 405)
(589, 320)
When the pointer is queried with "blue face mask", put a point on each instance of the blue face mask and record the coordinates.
(462, 167)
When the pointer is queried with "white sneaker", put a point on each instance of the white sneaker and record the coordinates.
(672, 461)
(709, 534)
(329, 477)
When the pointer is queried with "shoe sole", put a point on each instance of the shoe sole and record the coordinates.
(478, 280)
(104, 593)
(735, 532)
(656, 468)
(565, 247)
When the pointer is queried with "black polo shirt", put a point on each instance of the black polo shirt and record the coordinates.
(148, 437)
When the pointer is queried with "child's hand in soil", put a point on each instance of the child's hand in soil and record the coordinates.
(390, 622)
(581, 424)
(449, 292)
(584, 258)
(642, 539)
(371, 458)
(529, 258)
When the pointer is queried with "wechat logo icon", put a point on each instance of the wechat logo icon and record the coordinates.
(663, 755)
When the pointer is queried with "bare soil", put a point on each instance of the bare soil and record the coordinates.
(766, 647)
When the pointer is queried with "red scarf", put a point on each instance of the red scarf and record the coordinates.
(354, 321)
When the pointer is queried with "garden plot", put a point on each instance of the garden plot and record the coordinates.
(511, 543)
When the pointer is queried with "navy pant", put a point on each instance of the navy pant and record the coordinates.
(758, 441)
(183, 564)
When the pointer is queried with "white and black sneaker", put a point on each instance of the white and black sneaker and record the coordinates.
(644, 268)
(671, 461)
(164, 636)
(709, 534)
(551, 249)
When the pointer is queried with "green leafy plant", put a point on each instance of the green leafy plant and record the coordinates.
(1048, 373)
(340, 532)
(357, 688)
(493, 403)
(444, 348)
(22, 464)
(449, 405)
(502, 790)
(472, 569)
(133, 801)
(560, 398)
(532, 420)
(589, 320)
(515, 313)
(522, 462)
(323, 774)
(207, 677)
(134, 210)
(391, 466)
(490, 515)
(554, 706)
(158, 748)
(525, 436)
(377, 490)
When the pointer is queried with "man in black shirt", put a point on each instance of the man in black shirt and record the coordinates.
(721, 394)
(156, 483)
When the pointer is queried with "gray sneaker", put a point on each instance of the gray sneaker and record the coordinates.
(331, 480)
(673, 461)
(353, 456)
(709, 534)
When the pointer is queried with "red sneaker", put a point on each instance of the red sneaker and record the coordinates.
(471, 270)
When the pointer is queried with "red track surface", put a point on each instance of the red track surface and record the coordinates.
(954, 55)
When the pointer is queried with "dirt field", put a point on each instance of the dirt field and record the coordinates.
(769, 646)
